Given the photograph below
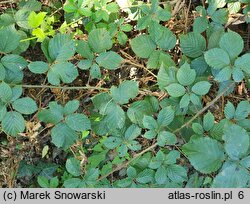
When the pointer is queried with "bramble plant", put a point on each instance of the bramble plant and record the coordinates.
(119, 96)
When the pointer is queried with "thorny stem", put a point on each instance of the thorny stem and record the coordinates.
(125, 164)
(64, 87)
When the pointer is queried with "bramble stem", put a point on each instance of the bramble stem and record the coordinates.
(64, 87)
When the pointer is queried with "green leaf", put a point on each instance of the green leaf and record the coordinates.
(21, 17)
(166, 76)
(131, 172)
(217, 58)
(115, 116)
(234, 7)
(171, 157)
(71, 107)
(201, 88)
(54, 182)
(205, 154)
(17, 91)
(14, 62)
(64, 71)
(166, 40)
(112, 142)
(229, 110)
(193, 44)
(6, 20)
(52, 115)
(238, 75)
(45, 151)
(200, 24)
(61, 48)
(3, 110)
(236, 141)
(185, 100)
(125, 91)
(38, 67)
(84, 50)
(175, 90)
(156, 161)
(243, 63)
(95, 71)
(195, 99)
(161, 175)
(70, 7)
(165, 116)
(186, 75)
(84, 64)
(220, 16)
(208, 121)
(245, 162)
(73, 183)
(31, 5)
(197, 128)
(63, 136)
(73, 166)
(143, 46)
(146, 176)
(78, 122)
(159, 58)
(25, 105)
(2, 72)
(214, 38)
(176, 173)
(109, 60)
(166, 138)
(149, 122)
(100, 40)
(138, 109)
(122, 38)
(126, 27)
(150, 134)
(224, 74)
(100, 102)
(242, 110)
(5, 92)
(13, 123)
(132, 132)
(9, 39)
(35, 20)
(43, 181)
(231, 176)
(236, 45)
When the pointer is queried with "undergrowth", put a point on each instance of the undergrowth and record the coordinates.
(102, 93)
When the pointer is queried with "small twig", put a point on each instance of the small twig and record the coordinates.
(129, 60)
(63, 87)
(9, 1)
(140, 66)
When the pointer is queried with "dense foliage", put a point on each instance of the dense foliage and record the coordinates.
(157, 126)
